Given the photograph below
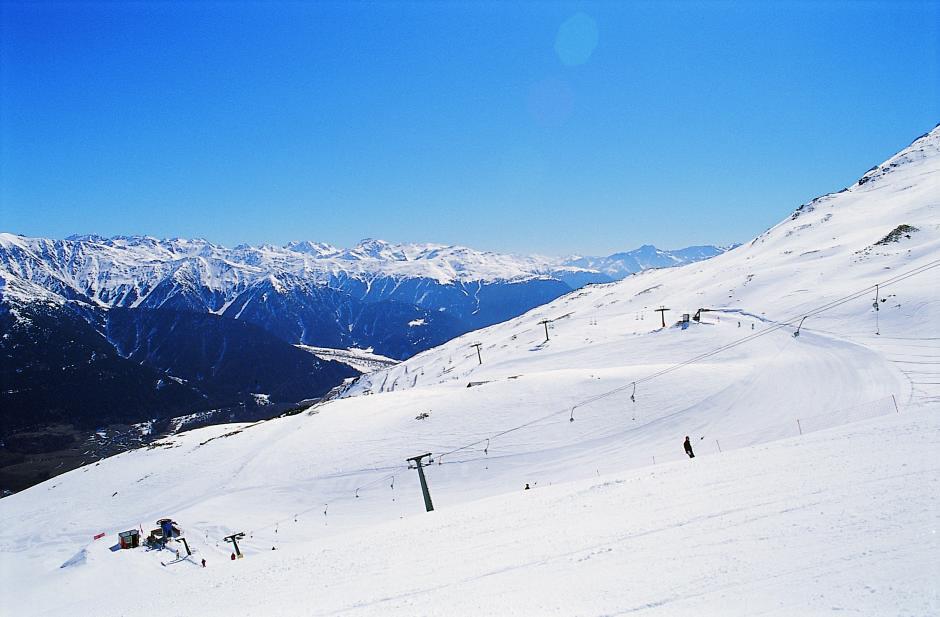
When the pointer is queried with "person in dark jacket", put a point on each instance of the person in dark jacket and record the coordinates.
(688, 447)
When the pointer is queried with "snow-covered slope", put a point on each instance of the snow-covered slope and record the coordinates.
(618, 521)
(835, 245)
(839, 522)
(362, 360)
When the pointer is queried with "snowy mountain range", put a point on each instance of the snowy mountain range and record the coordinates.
(141, 271)
(809, 386)
(141, 328)
(396, 299)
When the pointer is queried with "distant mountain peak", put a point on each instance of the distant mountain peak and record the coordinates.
(85, 238)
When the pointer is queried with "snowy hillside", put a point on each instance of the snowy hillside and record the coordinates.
(814, 489)
(834, 246)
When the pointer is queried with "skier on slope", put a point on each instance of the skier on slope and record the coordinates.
(688, 447)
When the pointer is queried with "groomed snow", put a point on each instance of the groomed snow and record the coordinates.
(840, 521)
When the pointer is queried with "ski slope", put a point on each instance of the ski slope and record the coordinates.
(764, 521)
(728, 535)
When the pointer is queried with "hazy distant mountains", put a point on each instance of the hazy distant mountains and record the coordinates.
(621, 265)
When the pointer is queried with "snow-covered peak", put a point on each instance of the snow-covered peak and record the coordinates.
(316, 249)
(925, 147)
(376, 249)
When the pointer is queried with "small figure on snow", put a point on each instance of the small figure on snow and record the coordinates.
(233, 556)
(526, 486)
(203, 563)
(688, 447)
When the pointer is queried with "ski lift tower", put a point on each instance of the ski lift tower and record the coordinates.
(479, 356)
(234, 538)
(662, 313)
(545, 323)
(424, 483)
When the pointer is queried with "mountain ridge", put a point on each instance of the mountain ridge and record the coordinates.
(78, 255)
(311, 293)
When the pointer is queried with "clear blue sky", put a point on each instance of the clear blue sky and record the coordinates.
(531, 127)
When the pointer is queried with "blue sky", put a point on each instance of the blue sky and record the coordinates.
(531, 127)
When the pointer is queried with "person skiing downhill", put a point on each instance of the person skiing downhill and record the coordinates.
(688, 447)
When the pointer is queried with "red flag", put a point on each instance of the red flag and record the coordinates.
(98, 536)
